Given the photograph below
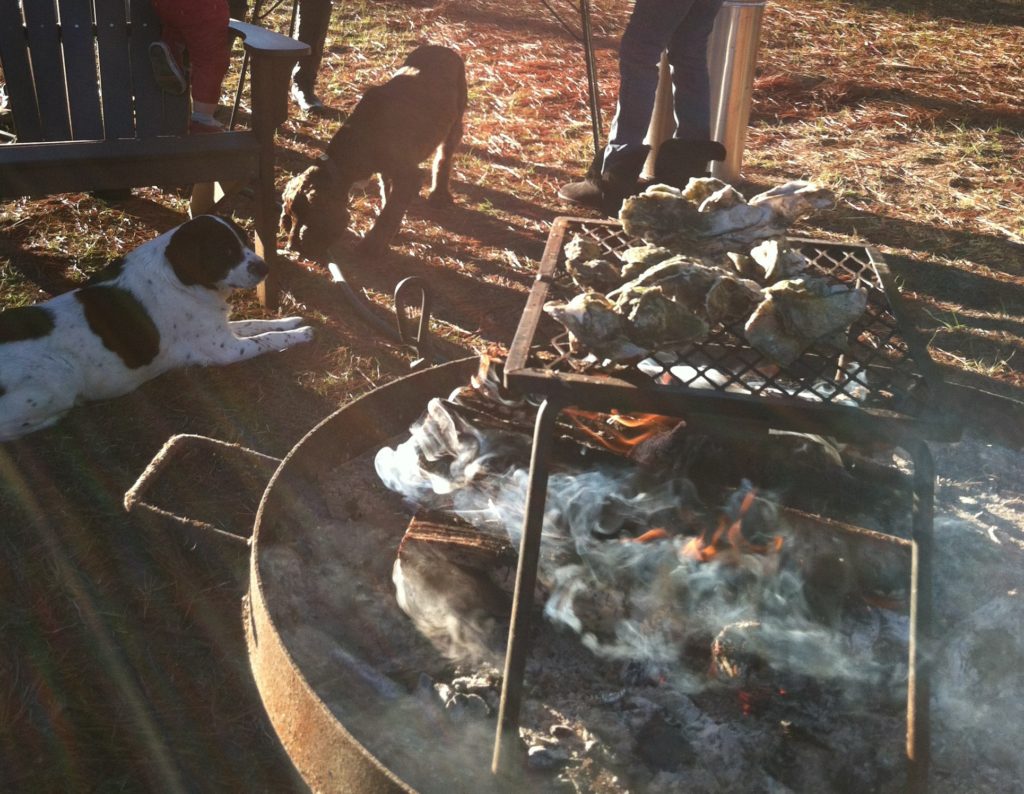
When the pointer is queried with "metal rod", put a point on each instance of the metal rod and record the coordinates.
(592, 87)
(921, 630)
(526, 582)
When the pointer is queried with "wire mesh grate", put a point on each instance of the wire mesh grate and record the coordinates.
(877, 369)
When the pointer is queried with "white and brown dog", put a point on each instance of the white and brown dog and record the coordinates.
(163, 305)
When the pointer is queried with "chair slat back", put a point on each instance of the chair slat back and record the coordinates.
(156, 113)
(115, 68)
(80, 70)
(18, 71)
(76, 30)
(43, 37)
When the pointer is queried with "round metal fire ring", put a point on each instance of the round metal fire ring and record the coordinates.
(284, 624)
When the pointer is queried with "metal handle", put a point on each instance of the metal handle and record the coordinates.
(173, 448)
(405, 294)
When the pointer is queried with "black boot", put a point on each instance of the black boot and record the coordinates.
(680, 160)
(605, 190)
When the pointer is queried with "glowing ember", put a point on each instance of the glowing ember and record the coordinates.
(702, 550)
(609, 435)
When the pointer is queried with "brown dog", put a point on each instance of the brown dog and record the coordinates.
(393, 128)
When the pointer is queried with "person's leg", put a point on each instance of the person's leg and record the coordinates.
(615, 172)
(203, 27)
(314, 16)
(687, 56)
(648, 33)
(687, 153)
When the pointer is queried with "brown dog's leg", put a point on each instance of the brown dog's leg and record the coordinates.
(439, 191)
(404, 188)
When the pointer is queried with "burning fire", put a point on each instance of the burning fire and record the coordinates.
(702, 550)
(612, 437)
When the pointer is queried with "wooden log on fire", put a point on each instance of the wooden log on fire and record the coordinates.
(456, 541)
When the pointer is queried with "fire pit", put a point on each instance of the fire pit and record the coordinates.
(883, 389)
(354, 689)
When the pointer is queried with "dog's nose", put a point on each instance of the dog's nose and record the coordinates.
(258, 268)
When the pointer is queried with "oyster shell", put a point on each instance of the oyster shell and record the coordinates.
(663, 218)
(594, 326)
(682, 278)
(728, 224)
(699, 188)
(659, 322)
(596, 274)
(816, 307)
(777, 260)
(731, 299)
(581, 249)
(724, 198)
(794, 200)
(797, 313)
(639, 257)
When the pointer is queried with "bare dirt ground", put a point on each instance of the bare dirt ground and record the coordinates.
(121, 663)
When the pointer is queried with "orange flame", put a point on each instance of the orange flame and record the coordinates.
(651, 535)
(702, 550)
(614, 439)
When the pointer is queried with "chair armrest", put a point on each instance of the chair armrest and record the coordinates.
(272, 57)
(262, 42)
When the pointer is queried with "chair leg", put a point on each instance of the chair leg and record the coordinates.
(266, 230)
(202, 200)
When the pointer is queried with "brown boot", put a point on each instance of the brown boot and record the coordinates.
(605, 189)
(680, 160)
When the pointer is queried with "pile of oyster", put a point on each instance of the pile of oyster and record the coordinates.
(708, 256)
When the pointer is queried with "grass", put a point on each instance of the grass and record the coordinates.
(122, 662)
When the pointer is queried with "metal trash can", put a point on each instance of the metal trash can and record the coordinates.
(732, 57)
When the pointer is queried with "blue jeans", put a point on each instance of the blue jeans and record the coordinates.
(682, 27)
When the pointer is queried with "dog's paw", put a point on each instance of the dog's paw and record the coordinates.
(289, 323)
(298, 336)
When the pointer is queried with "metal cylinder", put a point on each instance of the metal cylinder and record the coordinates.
(732, 57)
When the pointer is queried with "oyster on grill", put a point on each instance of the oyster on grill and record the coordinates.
(731, 299)
(638, 258)
(594, 326)
(777, 260)
(794, 200)
(700, 188)
(798, 313)
(581, 249)
(682, 278)
(657, 321)
(727, 223)
(724, 198)
(664, 218)
(596, 274)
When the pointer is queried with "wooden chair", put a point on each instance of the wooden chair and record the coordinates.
(89, 115)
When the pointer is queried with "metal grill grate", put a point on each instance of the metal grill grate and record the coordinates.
(885, 370)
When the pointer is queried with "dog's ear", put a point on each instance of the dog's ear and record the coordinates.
(204, 250)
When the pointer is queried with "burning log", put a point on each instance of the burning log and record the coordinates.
(456, 541)
(442, 582)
